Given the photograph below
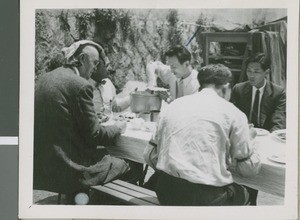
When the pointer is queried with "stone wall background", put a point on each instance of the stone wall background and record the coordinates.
(131, 38)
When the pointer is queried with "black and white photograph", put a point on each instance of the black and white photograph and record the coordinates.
(147, 111)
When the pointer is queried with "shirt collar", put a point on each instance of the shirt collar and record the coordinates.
(208, 91)
(186, 79)
(75, 70)
(261, 89)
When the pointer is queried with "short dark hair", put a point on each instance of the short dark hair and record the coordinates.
(181, 52)
(216, 74)
(260, 58)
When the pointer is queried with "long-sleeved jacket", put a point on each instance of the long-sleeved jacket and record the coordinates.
(273, 104)
(67, 132)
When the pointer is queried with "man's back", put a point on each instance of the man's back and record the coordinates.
(198, 131)
(57, 103)
(58, 122)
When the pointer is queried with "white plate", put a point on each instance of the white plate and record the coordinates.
(277, 158)
(155, 89)
(280, 135)
(261, 132)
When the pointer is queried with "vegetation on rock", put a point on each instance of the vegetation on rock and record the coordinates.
(131, 38)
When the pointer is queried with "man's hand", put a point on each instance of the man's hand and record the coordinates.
(115, 107)
(120, 104)
(252, 131)
(121, 125)
(165, 95)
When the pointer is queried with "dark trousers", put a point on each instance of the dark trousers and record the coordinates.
(252, 195)
(175, 191)
(135, 174)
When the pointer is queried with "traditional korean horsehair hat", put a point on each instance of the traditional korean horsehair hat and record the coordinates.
(68, 52)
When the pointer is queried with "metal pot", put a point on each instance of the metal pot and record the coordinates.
(142, 101)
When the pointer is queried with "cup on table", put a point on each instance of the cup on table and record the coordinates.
(145, 116)
(154, 115)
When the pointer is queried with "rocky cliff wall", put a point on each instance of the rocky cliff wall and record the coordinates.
(131, 38)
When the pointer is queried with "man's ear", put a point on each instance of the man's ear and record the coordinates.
(187, 63)
(267, 72)
(81, 58)
(226, 91)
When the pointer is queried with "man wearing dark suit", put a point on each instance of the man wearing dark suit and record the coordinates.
(67, 130)
(262, 101)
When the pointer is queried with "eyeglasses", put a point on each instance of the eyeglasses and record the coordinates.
(95, 62)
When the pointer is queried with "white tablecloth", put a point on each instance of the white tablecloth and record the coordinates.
(271, 178)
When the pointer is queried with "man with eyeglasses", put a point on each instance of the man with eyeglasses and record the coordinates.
(66, 128)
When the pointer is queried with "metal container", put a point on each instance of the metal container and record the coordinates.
(142, 101)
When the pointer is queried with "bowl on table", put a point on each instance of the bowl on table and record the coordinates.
(279, 135)
(261, 131)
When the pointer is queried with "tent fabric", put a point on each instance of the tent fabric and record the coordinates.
(270, 39)
(225, 26)
(279, 26)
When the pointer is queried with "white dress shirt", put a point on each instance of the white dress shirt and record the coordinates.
(103, 94)
(190, 84)
(199, 136)
(261, 91)
(108, 90)
(74, 68)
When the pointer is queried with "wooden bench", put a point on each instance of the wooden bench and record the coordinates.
(127, 193)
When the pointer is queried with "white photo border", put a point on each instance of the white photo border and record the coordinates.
(27, 58)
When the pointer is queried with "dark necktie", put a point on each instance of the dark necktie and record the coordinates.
(255, 112)
(179, 88)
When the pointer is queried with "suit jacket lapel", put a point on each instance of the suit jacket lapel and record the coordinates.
(247, 96)
(264, 105)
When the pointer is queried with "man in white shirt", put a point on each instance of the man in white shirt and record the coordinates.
(178, 74)
(104, 90)
(103, 94)
(199, 137)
